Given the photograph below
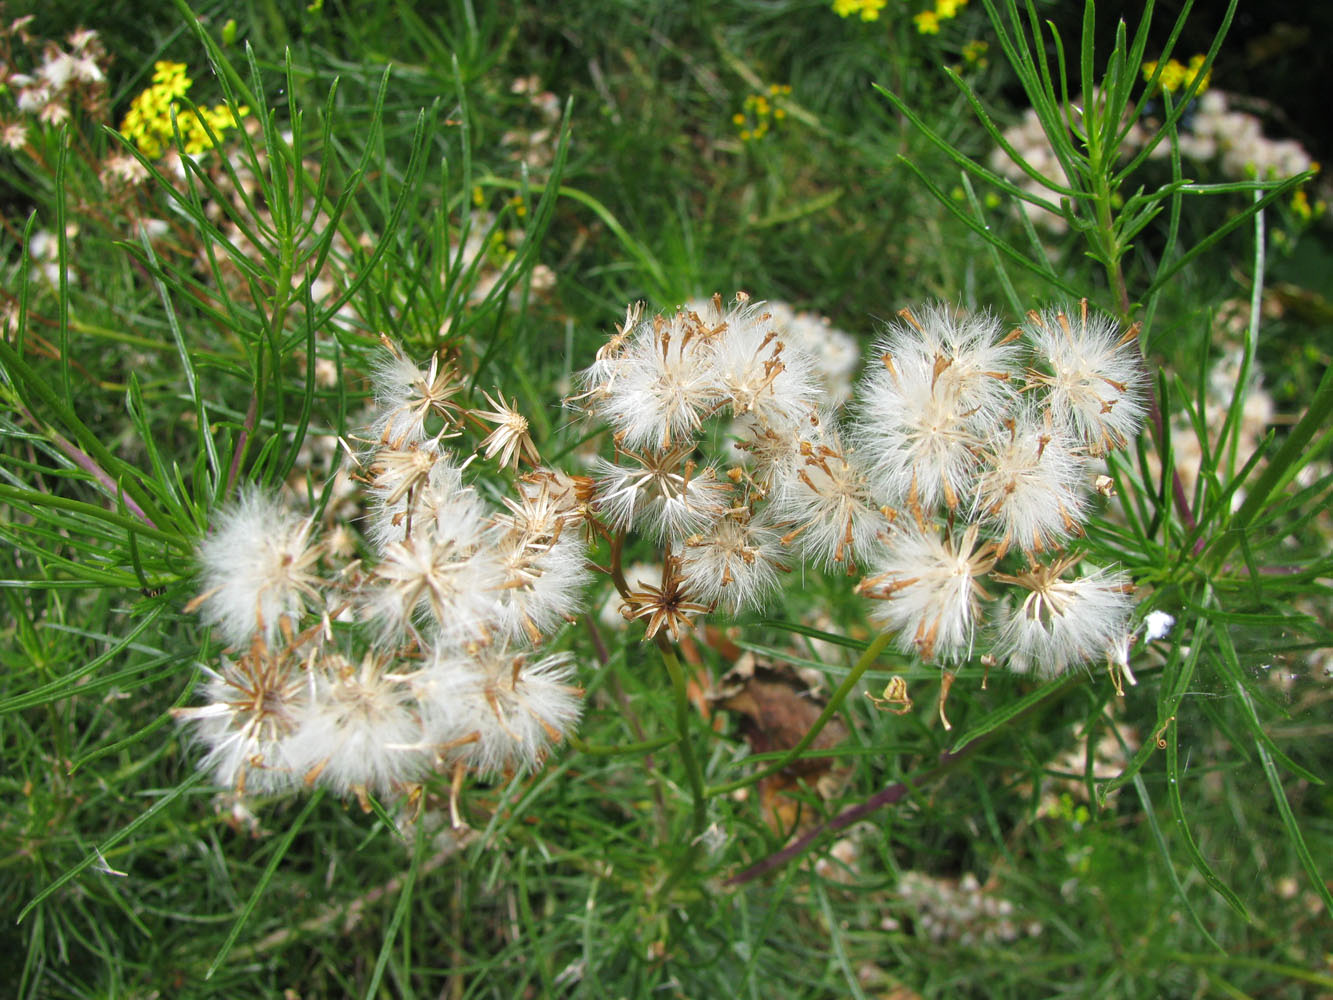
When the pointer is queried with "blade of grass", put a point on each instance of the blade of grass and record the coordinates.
(279, 852)
(101, 850)
(1146, 800)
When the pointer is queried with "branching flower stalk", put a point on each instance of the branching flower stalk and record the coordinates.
(966, 445)
(955, 485)
(415, 650)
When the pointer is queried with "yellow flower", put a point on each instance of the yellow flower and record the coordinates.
(148, 123)
(927, 22)
(1176, 75)
(867, 9)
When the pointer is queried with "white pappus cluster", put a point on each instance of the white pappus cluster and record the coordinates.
(966, 445)
(673, 389)
(1212, 132)
(984, 442)
(422, 655)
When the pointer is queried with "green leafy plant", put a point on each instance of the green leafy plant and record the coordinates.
(741, 806)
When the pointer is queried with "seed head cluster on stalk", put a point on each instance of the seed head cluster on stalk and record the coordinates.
(956, 482)
(985, 442)
(365, 675)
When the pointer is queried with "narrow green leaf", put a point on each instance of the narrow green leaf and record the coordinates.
(1169, 270)
(1041, 269)
(1175, 777)
(1289, 819)
(1010, 710)
(69, 682)
(1176, 676)
(400, 912)
(1151, 816)
(105, 847)
(279, 852)
(972, 166)
(1231, 668)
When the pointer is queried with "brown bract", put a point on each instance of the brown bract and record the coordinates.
(666, 607)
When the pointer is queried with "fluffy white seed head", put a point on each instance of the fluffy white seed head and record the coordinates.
(544, 582)
(1031, 484)
(661, 385)
(393, 522)
(258, 568)
(255, 704)
(943, 382)
(930, 584)
(662, 494)
(756, 373)
(444, 573)
(919, 445)
(1095, 385)
(399, 475)
(359, 729)
(776, 451)
(494, 710)
(734, 565)
(826, 506)
(1063, 621)
(406, 397)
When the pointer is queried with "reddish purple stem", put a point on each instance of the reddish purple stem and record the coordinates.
(85, 462)
(885, 797)
(241, 442)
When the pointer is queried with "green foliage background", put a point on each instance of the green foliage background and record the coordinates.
(1198, 871)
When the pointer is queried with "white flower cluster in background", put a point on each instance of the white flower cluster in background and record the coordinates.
(1212, 132)
(1236, 140)
(64, 79)
(1028, 140)
(425, 654)
(966, 444)
(960, 911)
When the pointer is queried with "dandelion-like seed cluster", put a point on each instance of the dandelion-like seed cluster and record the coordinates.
(955, 483)
(364, 675)
(984, 441)
(671, 388)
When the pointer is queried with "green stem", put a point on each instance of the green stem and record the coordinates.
(1107, 244)
(699, 814)
(835, 702)
(692, 769)
(1278, 471)
(620, 750)
(1111, 252)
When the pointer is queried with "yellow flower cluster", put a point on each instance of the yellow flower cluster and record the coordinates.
(1306, 212)
(759, 112)
(928, 21)
(868, 10)
(148, 122)
(1176, 75)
